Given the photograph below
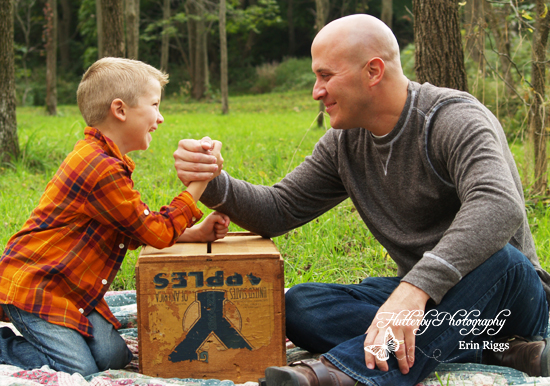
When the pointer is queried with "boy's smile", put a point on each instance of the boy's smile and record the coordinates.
(143, 119)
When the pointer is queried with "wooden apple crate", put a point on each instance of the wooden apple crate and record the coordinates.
(211, 310)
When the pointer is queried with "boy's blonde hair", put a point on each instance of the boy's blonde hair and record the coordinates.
(112, 78)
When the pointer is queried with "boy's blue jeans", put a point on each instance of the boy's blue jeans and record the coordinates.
(333, 318)
(61, 348)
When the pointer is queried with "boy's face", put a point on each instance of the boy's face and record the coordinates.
(143, 118)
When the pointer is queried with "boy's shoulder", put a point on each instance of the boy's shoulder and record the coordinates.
(91, 156)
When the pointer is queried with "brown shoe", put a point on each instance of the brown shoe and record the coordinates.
(529, 355)
(308, 372)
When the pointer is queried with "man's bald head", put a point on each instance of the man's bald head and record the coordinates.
(360, 38)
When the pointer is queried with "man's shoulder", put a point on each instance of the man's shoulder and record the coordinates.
(430, 97)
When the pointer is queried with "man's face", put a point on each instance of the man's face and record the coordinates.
(339, 85)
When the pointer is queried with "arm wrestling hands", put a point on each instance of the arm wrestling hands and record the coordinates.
(215, 225)
(405, 301)
(212, 228)
(197, 160)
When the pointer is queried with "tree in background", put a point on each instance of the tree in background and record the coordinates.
(9, 143)
(475, 25)
(64, 33)
(439, 57)
(132, 28)
(28, 22)
(499, 27)
(99, 30)
(224, 87)
(198, 54)
(322, 8)
(387, 12)
(50, 33)
(165, 46)
(111, 31)
(539, 115)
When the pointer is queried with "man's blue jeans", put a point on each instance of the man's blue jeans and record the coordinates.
(61, 348)
(333, 318)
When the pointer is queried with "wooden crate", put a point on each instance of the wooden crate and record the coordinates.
(211, 310)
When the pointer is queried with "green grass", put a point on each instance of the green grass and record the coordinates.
(264, 137)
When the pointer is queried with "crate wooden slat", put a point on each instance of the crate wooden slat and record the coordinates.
(211, 312)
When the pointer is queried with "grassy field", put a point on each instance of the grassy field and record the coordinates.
(264, 137)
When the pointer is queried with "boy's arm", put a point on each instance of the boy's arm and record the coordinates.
(115, 203)
(196, 189)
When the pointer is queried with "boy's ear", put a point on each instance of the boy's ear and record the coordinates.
(118, 109)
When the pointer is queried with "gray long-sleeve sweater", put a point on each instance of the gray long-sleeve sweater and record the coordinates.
(440, 192)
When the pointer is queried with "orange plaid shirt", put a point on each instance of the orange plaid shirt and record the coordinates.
(69, 251)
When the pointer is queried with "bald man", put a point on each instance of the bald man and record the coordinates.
(430, 172)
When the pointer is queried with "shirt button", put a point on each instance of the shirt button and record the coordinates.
(121, 245)
(146, 212)
(194, 218)
(81, 310)
(104, 282)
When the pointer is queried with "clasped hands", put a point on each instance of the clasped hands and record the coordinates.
(198, 160)
(393, 329)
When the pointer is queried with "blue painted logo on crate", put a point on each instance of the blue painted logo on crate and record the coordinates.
(211, 325)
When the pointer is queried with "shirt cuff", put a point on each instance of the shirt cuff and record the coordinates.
(187, 204)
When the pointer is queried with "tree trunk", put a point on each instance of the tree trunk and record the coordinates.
(539, 117)
(223, 60)
(322, 8)
(64, 34)
(113, 28)
(9, 143)
(99, 21)
(475, 30)
(291, 29)
(132, 28)
(50, 11)
(197, 48)
(321, 15)
(387, 12)
(502, 38)
(165, 44)
(439, 58)
(26, 23)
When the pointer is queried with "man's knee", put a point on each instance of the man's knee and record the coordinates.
(299, 296)
(509, 258)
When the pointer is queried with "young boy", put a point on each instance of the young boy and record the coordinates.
(56, 270)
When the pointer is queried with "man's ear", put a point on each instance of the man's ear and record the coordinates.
(373, 71)
(118, 109)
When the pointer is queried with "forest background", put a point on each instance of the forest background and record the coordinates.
(496, 50)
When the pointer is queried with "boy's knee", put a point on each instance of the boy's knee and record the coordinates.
(83, 367)
(115, 355)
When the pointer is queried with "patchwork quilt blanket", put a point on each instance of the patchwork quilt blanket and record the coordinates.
(123, 305)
